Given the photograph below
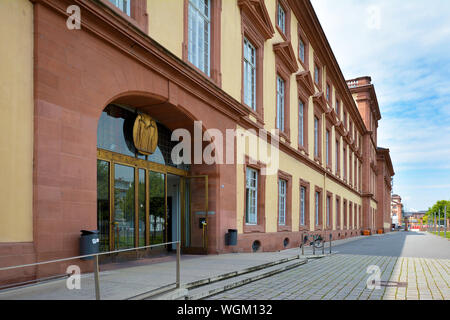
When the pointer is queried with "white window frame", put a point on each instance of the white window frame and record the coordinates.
(249, 74)
(280, 103)
(251, 194)
(123, 5)
(301, 123)
(328, 210)
(302, 205)
(337, 156)
(316, 137)
(199, 30)
(282, 198)
(301, 50)
(317, 204)
(281, 18)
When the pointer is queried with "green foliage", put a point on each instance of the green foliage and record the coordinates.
(438, 207)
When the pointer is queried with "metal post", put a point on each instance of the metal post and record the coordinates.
(323, 245)
(439, 223)
(331, 237)
(97, 280)
(445, 223)
(178, 264)
(303, 244)
(435, 222)
(314, 247)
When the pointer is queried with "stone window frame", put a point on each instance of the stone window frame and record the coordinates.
(260, 227)
(287, 19)
(319, 66)
(338, 105)
(288, 214)
(318, 225)
(305, 184)
(283, 72)
(303, 97)
(303, 37)
(330, 97)
(350, 215)
(337, 150)
(138, 13)
(345, 211)
(215, 42)
(329, 129)
(250, 32)
(318, 114)
(329, 224)
(338, 210)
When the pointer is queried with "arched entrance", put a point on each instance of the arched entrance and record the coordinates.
(145, 199)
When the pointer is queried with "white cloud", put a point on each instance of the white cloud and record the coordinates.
(407, 53)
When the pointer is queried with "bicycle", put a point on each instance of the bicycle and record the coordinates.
(315, 240)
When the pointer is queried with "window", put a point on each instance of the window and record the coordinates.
(337, 158)
(301, 121)
(345, 214)
(249, 74)
(345, 119)
(317, 207)
(280, 104)
(302, 206)
(345, 163)
(281, 21)
(316, 74)
(328, 93)
(282, 184)
(327, 151)
(302, 50)
(328, 211)
(199, 30)
(337, 107)
(338, 213)
(123, 5)
(251, 200)
(316, 137)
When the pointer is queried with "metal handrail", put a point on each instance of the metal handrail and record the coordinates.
(86, 256)
(96, 264)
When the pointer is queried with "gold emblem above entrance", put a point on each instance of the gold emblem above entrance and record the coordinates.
(145, 134)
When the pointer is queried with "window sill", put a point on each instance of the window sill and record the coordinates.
(284, 228)
(253, 229)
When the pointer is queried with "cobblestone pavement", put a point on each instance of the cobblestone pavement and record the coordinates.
(344, 276)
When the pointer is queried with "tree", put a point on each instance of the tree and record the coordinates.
(438, 207)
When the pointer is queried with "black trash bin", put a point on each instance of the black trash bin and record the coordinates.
(89, 243)
(232, 237)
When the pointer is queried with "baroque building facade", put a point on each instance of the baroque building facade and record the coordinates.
(72, 96)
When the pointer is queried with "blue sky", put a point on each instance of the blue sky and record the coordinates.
(404, 45)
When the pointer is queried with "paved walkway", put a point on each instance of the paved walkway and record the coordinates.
(143, 276)
(413, 266)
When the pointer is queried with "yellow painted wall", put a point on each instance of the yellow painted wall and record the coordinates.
(166, 24)
(231, 49)
(297, 170)
(16, 121)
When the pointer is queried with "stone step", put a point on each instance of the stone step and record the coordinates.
(240, 279)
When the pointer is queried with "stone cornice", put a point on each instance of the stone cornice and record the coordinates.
(305, 82)
(256, 11)
(286, 54)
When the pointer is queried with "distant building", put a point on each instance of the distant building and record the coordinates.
(396, 210)
(415, 219)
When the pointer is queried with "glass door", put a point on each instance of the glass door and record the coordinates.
(195, 215)
(124, 207)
